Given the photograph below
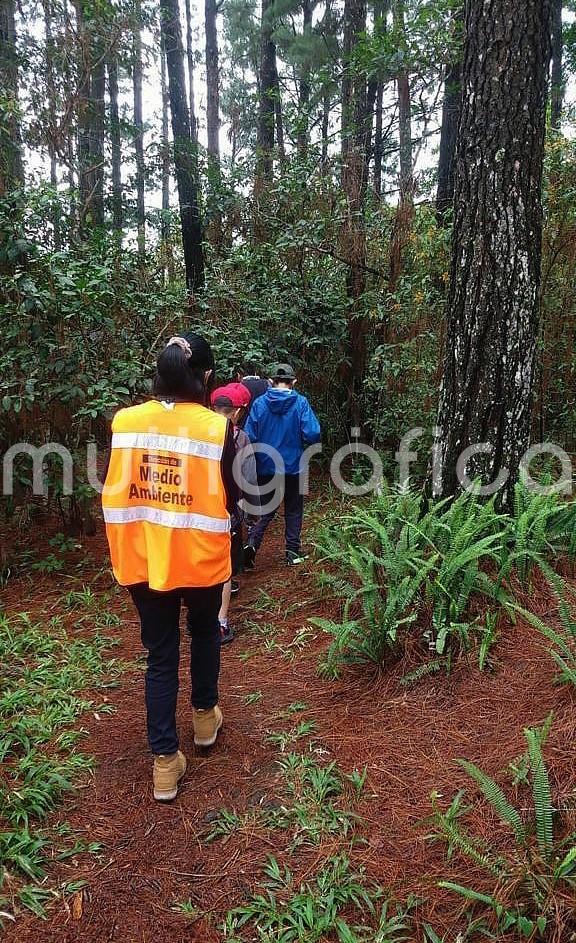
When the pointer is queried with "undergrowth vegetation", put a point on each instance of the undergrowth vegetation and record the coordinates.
(45, 673)
(535, 882)
(439, 573)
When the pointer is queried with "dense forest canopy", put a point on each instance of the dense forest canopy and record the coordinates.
(281, 174)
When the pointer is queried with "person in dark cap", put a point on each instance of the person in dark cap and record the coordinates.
(283, 420)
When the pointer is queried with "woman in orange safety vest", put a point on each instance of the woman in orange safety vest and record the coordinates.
(167, 499)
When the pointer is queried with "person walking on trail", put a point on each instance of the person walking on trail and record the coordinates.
(233, 401)
(167, 500)
(283, 420)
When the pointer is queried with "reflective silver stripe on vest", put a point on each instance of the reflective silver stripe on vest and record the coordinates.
(167, 443)
(217, 525)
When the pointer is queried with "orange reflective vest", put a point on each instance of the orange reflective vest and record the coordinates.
(164, 499)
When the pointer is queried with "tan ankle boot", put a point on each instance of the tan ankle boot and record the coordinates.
(206, 726)
(168, 771)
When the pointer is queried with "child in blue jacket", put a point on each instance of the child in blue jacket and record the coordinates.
(284, 420)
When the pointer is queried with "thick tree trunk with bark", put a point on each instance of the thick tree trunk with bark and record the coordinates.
(115, 144)
(449, 133)
(212, 84)
(191, 82)
(267, 88)
(558, 86)
(184, 163)
(11, 167)
(354, 177)
(139, 132)
(492, 311)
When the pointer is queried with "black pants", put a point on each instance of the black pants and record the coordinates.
(160, 619)
(293, 511)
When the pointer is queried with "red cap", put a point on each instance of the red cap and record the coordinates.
(236, 393)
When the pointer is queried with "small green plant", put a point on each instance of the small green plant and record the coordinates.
(536, 883)
(50, 564)
(315, 910)
(253, 698)
(188, 909)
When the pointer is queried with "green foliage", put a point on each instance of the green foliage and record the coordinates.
(315, 910)
(43, 677)
(537, 880)
(401, 566)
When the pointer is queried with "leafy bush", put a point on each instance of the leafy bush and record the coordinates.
(397, 563)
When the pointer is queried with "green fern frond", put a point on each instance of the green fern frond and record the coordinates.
(509, 815)
(543, 808)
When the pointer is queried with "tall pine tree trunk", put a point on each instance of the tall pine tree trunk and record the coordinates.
(557, 89)
(116, 145)
(354, 176)
(139, 130)
(184, 163)
(304, 90)
(165, 228)
(83, 99)
(449, 132)
(405, 211)
(492, 311)
(51, 87)
(267, 79)
(11, 167)
(191, 82)
(97, 121)
(212, 84)
(375, 101)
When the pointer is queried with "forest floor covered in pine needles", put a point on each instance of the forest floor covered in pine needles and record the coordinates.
(173, 872)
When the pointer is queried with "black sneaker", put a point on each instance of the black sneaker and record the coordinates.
(235, 587)
(226, 634)
(295, 559)
(249, 557)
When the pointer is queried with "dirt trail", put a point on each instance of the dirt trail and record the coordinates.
(155, 856)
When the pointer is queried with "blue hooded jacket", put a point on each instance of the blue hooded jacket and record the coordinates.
(284, 420)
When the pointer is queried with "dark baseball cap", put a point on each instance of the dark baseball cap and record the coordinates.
(283, 371)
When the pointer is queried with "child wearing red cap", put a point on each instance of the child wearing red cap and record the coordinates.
(233, 401)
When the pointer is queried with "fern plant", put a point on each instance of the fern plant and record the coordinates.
(536, 883)
(395, 560)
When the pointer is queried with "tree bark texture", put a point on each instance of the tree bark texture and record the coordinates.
(184, 163)
(448, 136)
(11, 167)
(557, 85)
(115, 144)
(492, 308)
(212, 81)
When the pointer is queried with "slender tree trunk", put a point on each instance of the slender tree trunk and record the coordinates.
(51, 86)
(279, 119)
(184, 163)
(139, 131)
(97, 121)
(405, 211)
(165, 229)
(378, 140)
(492, 311)
(11, 166)
(83, 117)
(375, 102)
(326, 25)
(354, 176)
(448, 133)
(558, 86)
(191, 83)
(116, 145)
(69, 85)
(212, 84)
(304, 91)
